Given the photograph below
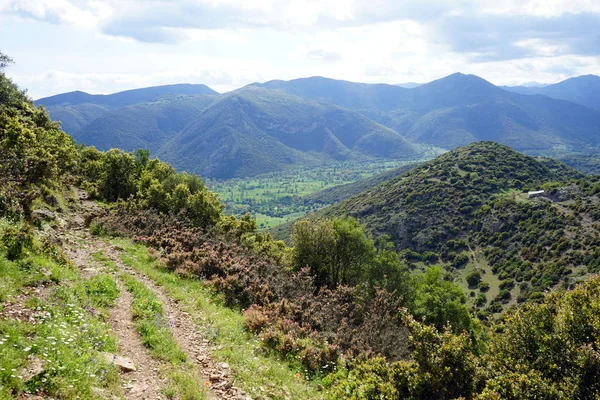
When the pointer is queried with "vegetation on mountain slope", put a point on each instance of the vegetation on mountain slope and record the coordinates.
(460, 109)
(589, 164)
(143, 125)
(353, 310)
(301, 123)
(466, 209)
(254, 130)
(582, 90)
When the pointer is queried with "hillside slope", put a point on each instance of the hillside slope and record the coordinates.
(144, 125)
(421, 208)
(254, 130)
(466, 208)
(584, 90)
(75, 110)
(460, 109)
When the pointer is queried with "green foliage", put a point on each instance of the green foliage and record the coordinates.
(33, 151)
(442, 366)
(5, 61)
(148, 184)
(337, 252)
(550, 348)
(152, 323)
(440, 302)
(474, 278)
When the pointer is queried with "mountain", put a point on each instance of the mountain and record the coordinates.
(355, 96)
(468, 209)
(311, 121)
(584, 90)
(254, 130)
(144, 125)
(418, 209)
(125, 98)
(77, 109)
(460, 109)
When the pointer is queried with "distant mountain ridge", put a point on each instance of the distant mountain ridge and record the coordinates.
(460, 109)
(311, 121)
(256, 130)
(584, 90)
(124, 98)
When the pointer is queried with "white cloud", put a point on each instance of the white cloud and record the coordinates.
(107, 45)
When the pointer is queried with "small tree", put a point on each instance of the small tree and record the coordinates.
(5, 61)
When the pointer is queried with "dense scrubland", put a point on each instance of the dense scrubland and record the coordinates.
(346, 303)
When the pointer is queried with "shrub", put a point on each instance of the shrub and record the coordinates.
(474, 278)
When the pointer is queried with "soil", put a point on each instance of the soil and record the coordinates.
(144, 383)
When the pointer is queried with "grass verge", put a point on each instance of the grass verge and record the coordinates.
(154, 329)
(261, 374)
(52, 325)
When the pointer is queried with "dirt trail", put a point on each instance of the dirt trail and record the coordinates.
(145, 383)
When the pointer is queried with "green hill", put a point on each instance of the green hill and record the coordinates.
(254, 130)
(426, 205)
(468, 209)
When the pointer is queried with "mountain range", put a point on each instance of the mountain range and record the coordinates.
(583, 90)
(270, 126)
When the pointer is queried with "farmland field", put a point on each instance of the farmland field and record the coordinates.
(276, 198)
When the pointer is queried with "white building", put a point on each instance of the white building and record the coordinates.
(537, 193)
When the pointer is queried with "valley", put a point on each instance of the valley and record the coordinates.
(281, 197)
(309, 239)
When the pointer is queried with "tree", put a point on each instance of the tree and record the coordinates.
(337, 252)
(118, 178)
(5, 61)
(313, 240)
(440, 302)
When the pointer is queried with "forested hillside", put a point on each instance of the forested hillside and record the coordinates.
(460, 109)
(468, 209)
(317, 121)
(340, 314)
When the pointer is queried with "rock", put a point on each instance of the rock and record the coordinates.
(33, 369)
(125, 364)
(53, 201)
(44, 215)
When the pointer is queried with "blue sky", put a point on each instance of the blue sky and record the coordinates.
(111, 45)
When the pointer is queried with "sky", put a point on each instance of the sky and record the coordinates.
(112, 45)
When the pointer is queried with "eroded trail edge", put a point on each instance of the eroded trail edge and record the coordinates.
(146, 382)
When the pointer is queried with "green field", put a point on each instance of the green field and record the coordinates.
(276, 198)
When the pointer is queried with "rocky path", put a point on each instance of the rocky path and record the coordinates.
(146, 381)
